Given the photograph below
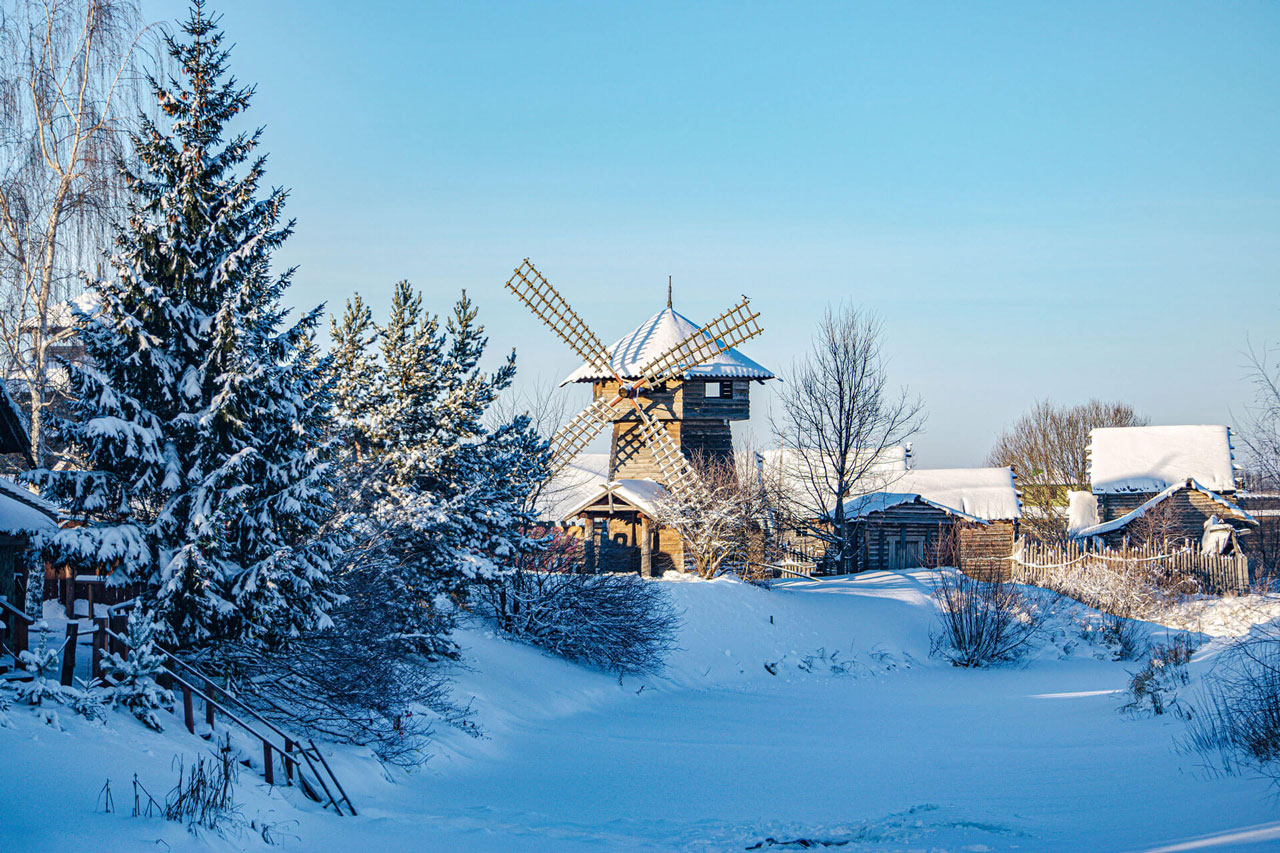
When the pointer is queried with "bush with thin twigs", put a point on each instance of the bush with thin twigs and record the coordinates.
(204, 795)
(1126, 638)
(1153, 688)
(357, 682)
(1234, 721)
(983, 623)
(619, 623)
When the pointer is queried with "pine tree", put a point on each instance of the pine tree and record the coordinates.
(355, 376)
(198, 418)
(443, 496)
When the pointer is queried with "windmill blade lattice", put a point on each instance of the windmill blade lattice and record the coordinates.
(549, 306)
(730, 329)
(681, 480)
(572, 438)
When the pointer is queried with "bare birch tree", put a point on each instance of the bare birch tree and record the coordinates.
(1048, 448)
(841, 417)
(66, 86)
(722, 525)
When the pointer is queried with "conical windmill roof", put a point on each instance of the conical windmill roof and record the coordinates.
(631, 353)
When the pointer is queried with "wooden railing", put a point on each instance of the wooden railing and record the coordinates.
(190, 681)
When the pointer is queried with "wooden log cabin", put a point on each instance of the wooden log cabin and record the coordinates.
(930, 517)
(1172, 485)
(904, 517)
(608, 500)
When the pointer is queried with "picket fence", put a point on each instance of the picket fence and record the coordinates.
(1036, 563)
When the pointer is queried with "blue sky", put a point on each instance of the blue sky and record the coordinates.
(1040, 200)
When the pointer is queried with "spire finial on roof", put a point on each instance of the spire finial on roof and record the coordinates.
(668, 291)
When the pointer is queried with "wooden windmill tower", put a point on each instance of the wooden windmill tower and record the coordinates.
(668, 391)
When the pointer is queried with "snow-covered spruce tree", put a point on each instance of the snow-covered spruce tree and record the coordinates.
(198, 417)
(442, 498)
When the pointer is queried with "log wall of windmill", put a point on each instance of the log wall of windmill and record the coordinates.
(685, 400)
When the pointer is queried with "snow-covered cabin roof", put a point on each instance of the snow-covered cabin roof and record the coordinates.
(644, 495)
(790, 472)
(630, 354)
(23, 512)
(1152, 458)
(980, 494)
(62, 316)
(1131, 516)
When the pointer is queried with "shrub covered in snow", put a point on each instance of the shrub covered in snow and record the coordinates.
(984, 623)
(355, 682)
(619, 623)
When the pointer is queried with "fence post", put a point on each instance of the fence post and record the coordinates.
(69, 653)
(20, 638)
(99, 646)
(188, 712)
(208, 703)
(268, 766)
(119, 625)
(289, 747)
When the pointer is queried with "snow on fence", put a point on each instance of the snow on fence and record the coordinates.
(1043, 564)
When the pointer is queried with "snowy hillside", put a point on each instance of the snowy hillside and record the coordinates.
(811, 712)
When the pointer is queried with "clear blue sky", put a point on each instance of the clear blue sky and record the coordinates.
(1040, 200)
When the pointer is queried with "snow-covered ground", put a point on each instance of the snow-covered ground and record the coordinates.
(812, 711)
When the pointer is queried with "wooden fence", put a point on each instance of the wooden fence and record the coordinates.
(1037, 562)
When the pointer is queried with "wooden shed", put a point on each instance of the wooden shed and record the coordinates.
(965, 517)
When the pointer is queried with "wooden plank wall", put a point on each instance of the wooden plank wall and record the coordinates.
(985, 549)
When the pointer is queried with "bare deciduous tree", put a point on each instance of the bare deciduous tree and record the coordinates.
(722, 525)
(1260, 426)
(1048, 449)
(840, 416)
(65, 86)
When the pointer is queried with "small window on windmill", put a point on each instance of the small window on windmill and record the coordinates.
(719, 391)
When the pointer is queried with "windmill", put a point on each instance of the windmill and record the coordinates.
(649, 388)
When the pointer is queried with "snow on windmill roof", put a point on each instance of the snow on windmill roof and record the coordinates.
(982, 494)
(631, 353)
(1152, 458)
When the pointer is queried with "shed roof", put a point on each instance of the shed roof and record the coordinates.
(571, 485)
(981, 494)
(642, 495)
(22, 512)
(1152, 458)
(630, 354)
(14, 437)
